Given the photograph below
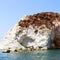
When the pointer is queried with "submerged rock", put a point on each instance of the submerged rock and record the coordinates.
(34, 31)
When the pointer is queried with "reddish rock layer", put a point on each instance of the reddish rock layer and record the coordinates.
(57, 37)
(39, 19)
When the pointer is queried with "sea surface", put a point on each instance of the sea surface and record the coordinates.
(53, 54)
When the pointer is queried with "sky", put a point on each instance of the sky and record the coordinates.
(12, 10)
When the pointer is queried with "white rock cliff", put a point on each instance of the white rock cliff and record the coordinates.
(28, 33)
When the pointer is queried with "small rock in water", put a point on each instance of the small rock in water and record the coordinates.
(8, 51)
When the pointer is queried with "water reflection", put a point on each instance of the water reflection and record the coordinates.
(32, 55)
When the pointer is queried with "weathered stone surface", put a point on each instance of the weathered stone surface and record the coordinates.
(34, 31)
(57, 37)
(39, 19)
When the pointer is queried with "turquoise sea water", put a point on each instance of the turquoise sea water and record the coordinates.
(32, 55)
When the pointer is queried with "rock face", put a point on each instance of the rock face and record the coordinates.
(41, 30)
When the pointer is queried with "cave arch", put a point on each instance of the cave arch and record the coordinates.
(27, 41)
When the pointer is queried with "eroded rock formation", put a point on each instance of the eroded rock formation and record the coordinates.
(41, 30)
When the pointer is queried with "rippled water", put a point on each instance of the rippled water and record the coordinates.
(32, 55)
